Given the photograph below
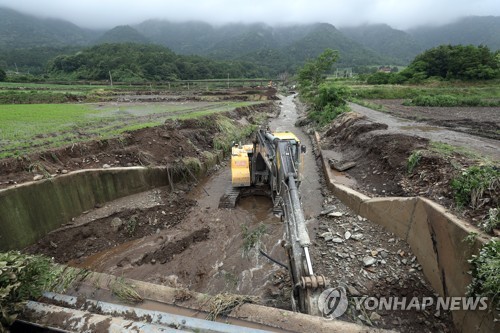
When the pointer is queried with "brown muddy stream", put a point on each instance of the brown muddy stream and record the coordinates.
(210, 250)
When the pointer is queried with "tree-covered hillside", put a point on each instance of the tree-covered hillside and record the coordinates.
(134, 62)
(393, 44)
(122, 34)
(475, 30)
(19, 31)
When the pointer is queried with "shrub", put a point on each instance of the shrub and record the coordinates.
(413, 160)
(474, 184)
(22, 277)
(486, 273)
(330, 102)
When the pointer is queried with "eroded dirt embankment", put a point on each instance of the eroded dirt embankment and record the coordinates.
(381, 163)
(162, 145)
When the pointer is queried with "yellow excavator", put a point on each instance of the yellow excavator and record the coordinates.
(273, 166)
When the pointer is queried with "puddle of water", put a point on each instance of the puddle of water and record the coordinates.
(258, 206)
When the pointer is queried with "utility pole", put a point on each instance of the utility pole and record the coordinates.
(17, 71)
(110, 78)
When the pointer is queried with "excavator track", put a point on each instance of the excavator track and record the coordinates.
(228, 199)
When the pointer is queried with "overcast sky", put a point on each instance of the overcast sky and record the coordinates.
(400, 14)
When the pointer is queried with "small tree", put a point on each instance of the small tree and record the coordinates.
(3, 75)
(311, 75)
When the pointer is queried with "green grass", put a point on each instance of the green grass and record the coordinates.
(25, 277)
(450, 101)
(410, 92)
(26, 127)
(476, 184)
(447, 150)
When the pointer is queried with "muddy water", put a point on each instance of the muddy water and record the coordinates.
(221, 260)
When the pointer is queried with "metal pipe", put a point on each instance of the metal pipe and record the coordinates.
(308, 261)
(155, 317)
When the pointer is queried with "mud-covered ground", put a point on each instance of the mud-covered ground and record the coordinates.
(481, 121)
(380, 146)
(180, 238)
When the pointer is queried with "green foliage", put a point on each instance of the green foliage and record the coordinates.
(413, 160)
(486, 273)
(450, 101)
(474, 184)
(3, 75)
(229, 132)
(329, 103)
(492, 221)
(455, 62)
(251, 238)
(24, 277)
(470, 238)
(130, 62)
(311, 75)
(482, 90)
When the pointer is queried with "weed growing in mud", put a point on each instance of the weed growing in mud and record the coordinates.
(470, 238)
(130, 226)
(223, 304)
(251, 238)
(38, 167)
(229, 133)
(24, 277)
(193, 164)
(413, 160)
(492, 221)
(125, 292)
(486, 273)
(476, 186)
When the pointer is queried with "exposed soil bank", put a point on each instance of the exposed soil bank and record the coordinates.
(162, 145)
(380, 152)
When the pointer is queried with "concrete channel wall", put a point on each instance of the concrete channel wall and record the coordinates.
(435, 236)
(29, 211)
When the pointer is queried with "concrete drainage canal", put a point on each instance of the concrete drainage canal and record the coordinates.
(179, 251)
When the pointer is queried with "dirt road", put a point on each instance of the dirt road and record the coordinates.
(483, 146)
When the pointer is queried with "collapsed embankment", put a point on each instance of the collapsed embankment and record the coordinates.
(179, 150)
(379, 165)
(394, 163)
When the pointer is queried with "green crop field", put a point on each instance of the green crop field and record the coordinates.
(25, 128)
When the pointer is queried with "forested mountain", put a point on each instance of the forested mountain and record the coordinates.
(122, 34)
(475, 30)
(388, 42)
(324, 36)
(19, 31)
(29, 42)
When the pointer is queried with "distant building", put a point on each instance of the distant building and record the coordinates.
(385, 69)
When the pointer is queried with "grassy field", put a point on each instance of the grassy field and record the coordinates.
(481, 91)
(25, 128)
